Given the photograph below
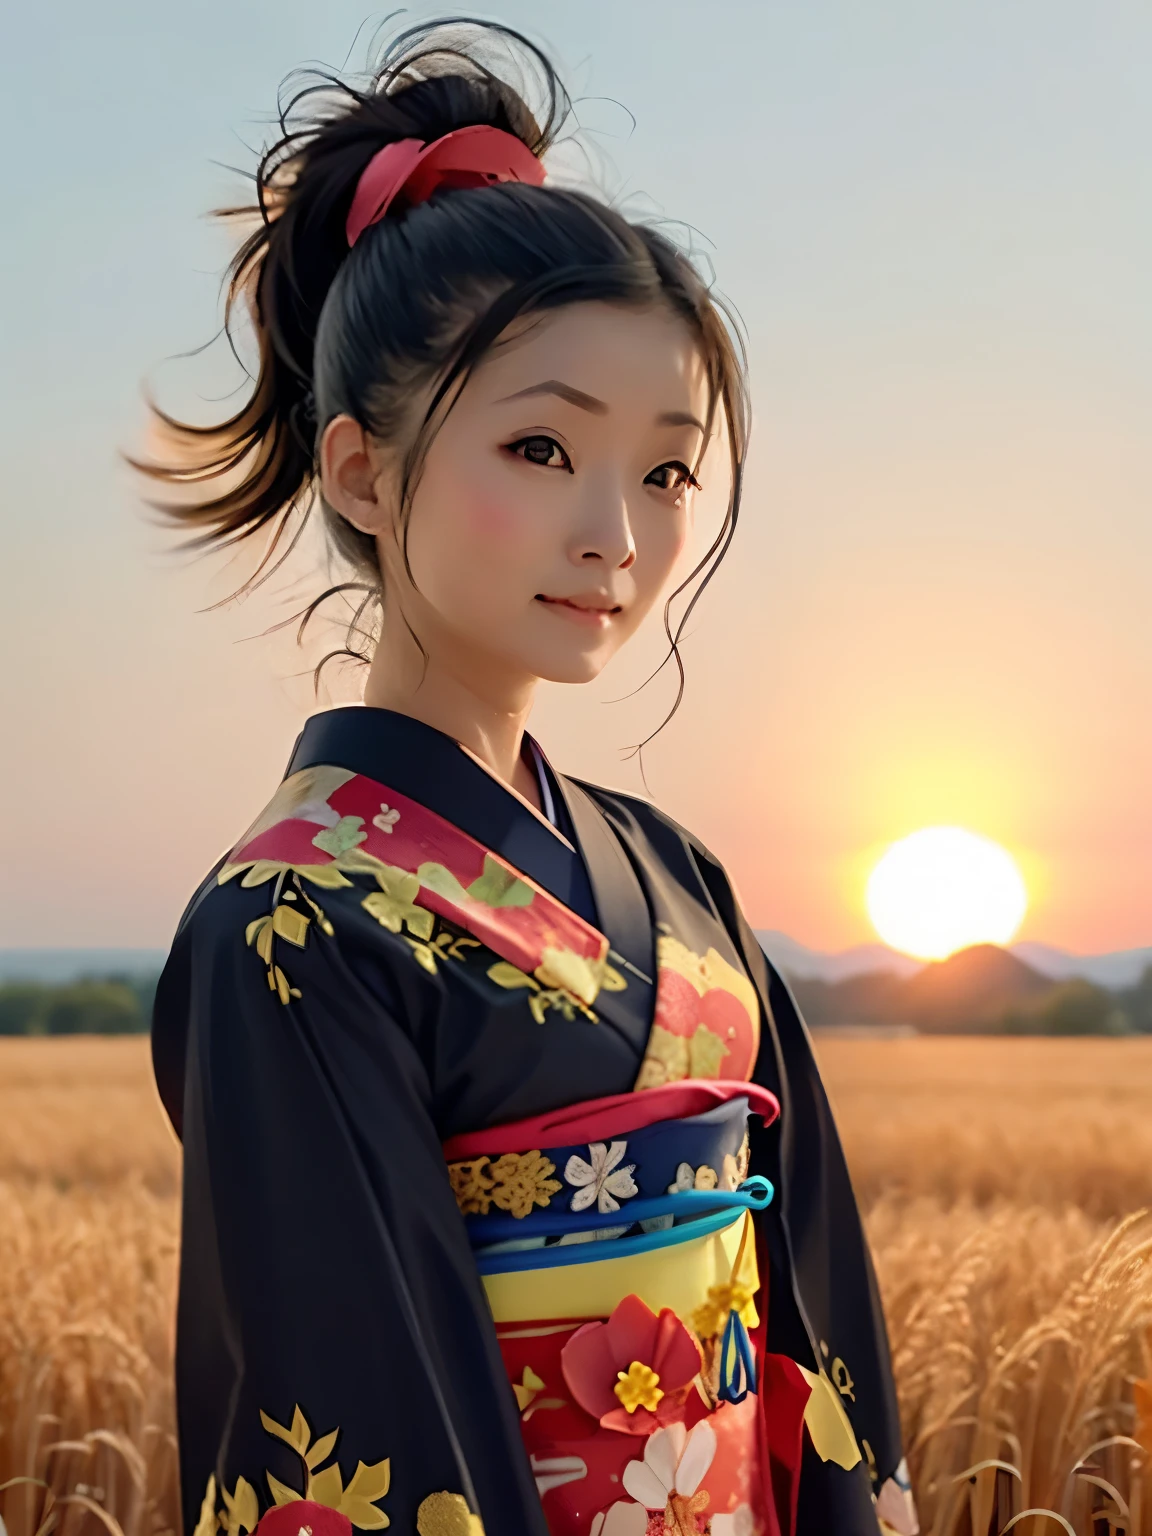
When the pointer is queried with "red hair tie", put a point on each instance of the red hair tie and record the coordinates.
(479, 156)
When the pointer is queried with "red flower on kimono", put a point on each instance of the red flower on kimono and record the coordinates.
(634, 1371)
(303, 1516)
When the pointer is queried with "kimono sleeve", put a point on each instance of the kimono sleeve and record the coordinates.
(333, 1338)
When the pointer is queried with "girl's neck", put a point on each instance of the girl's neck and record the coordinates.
(478, 710)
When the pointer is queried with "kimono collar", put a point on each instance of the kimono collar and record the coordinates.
(596, 880)
(434, 769)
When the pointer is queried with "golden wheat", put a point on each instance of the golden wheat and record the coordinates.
(994, 1175)
(1045, 1122)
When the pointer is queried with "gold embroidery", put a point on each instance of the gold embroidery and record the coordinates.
(504, 974)
(394, 904)
(446, 945)
(705, 1053)
(566, 971)
(283, 922)
(454, 947)
(529, 1387)
(447, 1514)
(423, 955)
(514, 1183)
(288, 922)
(348, 833)
(670, 1058)
(709, 1319)
(666, 1059)
(683, 1508)
(471, 1186)
(499, 886)
(522, 1180)
(327, 876)
(842, 1381)
(206, 1525)
(321, 920)
(872, 1472)
(540, 999)
(612, 981)
(242, 1509)
(325, 1485)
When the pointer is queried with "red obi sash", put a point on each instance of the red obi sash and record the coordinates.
(616, 1244)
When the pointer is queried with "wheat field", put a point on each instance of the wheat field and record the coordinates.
(1002, 1181)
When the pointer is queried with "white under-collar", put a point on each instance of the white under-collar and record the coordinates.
(547, 804)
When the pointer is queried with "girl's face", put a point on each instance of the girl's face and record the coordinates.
(556, 496)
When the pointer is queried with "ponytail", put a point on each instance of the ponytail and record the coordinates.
(256, 469)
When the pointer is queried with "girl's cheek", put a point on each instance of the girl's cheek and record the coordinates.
(492, 520)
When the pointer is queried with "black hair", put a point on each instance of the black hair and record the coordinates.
(417, 301)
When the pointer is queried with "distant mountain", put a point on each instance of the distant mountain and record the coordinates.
(1116, 971)
(973, 987)
(798, 961)
(64, 965)
(973, 990)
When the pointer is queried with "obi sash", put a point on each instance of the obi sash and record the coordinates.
(616, 1246)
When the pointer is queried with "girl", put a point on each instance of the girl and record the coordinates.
(512, 1199)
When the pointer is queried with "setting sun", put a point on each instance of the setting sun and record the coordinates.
(944, 888)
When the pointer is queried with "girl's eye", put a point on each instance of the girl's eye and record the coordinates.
(672, 477)
(545, 451)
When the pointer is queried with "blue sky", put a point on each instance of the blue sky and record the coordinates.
(936, 223)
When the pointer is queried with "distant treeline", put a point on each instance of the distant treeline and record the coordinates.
(97, 1005)
(983, 990)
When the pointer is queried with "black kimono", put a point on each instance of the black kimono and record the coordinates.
(408, 1033)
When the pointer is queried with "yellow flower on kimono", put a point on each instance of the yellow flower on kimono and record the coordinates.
(601, 1181)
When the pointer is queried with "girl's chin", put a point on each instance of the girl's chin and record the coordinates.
(576, 667)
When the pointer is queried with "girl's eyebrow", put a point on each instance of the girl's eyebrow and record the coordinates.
(590, 403)
(680, 419)
(567, 392)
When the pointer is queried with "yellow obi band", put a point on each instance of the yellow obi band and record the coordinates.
(680, 1276)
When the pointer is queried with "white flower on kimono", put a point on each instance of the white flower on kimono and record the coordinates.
(623, 1519)
(600, 1181)
(688, 1177)
(317, 810)
(386, 818)
(672, 1470)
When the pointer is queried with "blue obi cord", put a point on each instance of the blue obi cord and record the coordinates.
(663, 1184)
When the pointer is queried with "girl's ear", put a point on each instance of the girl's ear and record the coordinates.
(351, 469)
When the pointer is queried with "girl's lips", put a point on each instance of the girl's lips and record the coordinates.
(594, 618)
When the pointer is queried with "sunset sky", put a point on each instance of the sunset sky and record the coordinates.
(936, 222)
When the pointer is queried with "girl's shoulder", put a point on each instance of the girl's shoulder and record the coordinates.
(638, 816)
